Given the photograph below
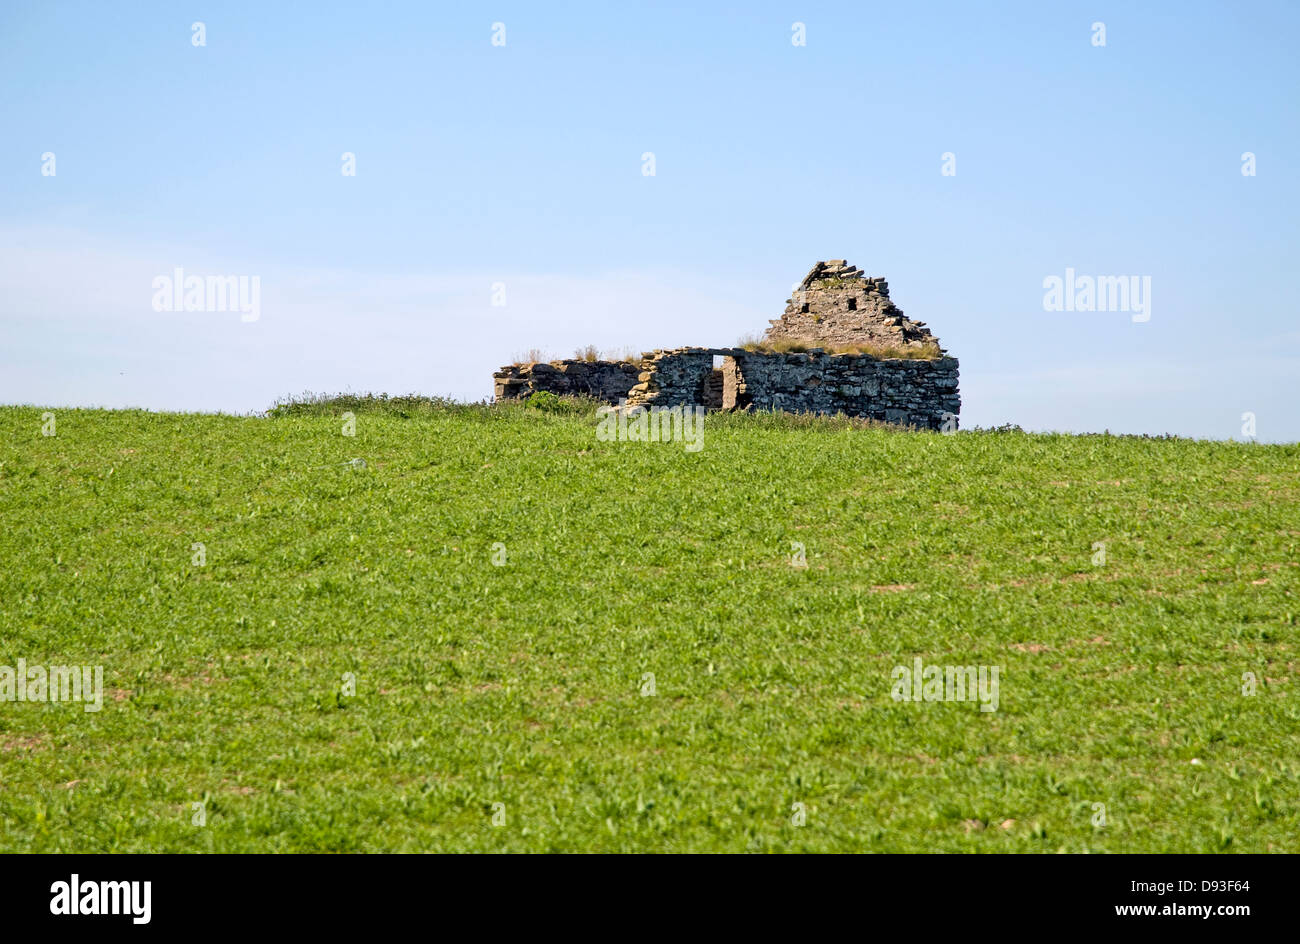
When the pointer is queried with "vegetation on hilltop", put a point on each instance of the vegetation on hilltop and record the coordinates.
(635, 647)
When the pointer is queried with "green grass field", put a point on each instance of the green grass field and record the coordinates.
(1121, 683)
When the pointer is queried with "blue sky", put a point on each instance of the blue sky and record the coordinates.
(522, 164)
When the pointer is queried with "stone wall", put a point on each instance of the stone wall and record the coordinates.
(678, 376)
(907, 392)
(920, 393)
(837, 304)
(604, 380)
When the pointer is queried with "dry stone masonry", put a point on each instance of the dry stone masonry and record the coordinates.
(604, 380)
(835, 306)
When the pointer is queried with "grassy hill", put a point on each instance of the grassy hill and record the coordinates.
(524, 680)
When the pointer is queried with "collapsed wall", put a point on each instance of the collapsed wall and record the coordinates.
(604, 380)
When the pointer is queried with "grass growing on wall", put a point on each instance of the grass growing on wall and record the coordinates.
(927, 351)
(501, 586)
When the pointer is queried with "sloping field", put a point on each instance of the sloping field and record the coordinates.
(558, 643)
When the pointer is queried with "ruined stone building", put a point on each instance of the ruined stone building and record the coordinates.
(841, 346)
(837, 305)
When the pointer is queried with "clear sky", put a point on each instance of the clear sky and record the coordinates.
(522, 164)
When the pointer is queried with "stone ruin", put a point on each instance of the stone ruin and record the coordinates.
(841, 346)
(837, 304)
